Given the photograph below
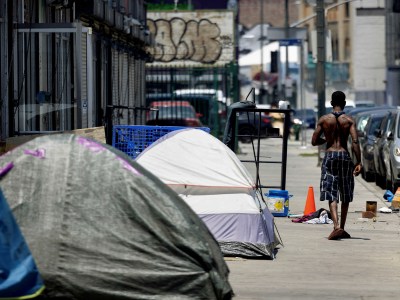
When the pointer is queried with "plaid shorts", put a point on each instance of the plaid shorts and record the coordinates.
(337, 177)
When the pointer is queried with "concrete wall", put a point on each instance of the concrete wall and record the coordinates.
(368, 56)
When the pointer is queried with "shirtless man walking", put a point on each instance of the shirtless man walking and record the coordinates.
(337, 169)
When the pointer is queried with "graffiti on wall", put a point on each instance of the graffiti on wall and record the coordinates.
(193, 40)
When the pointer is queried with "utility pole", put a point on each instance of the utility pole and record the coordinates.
(10, 73)
(321, 53)
(321, 57)
(287, 36)
(261, 93)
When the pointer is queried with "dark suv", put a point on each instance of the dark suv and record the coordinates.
(252, 124)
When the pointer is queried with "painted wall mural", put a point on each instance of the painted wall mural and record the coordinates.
(192, 38)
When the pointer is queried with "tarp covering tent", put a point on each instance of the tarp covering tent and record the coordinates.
(19, 276)
(217, 186)
(101, 227)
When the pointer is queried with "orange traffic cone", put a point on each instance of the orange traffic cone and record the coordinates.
(310, 202)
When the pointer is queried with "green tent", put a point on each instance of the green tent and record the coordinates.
(101, 227)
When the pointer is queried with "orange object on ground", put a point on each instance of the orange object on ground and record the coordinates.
(310, 202)
(396, 199)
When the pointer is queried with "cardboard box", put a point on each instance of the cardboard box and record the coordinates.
(396, 199)
(396, 202)
(95, 133)
(371, 206)
(368, 214)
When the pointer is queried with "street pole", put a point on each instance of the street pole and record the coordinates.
(302, 98)
(321, 53)
(286, 37)
(261, 91)
(10, 73)
(321, 57)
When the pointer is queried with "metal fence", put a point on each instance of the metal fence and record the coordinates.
(209, 89)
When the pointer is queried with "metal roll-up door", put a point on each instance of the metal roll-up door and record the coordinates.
(115, 81)
(84, 81)
(131, 88)
(124, 88)
(62, 80)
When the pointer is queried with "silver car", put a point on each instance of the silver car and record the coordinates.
(391, 154)
(380, 142)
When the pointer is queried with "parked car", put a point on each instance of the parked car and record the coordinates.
(357, 110)
(365, 103)
(218, 94)
(173, 113)
(307, 117)
(367, 144)
(391, 154)
(380, 141)
(361, 116)
(361, 120)
(252, 124)
(210, 111)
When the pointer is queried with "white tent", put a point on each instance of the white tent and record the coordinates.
(217, 186)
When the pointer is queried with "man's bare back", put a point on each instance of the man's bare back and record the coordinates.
(336, 128)
(336, 131)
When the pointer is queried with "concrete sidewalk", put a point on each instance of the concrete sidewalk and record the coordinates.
(308, 265)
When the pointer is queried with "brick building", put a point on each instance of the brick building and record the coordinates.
(274, 12)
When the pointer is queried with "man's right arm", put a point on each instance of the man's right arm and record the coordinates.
(316, 138)
(355, 146)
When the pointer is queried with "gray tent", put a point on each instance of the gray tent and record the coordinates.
(101, 227)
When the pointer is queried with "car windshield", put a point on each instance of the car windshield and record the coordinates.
(365, 104)
(375, 124)
(166, 112)
(362, 122)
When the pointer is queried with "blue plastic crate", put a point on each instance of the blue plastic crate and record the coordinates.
(133, 139)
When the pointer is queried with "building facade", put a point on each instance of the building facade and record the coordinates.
(355, 48)
(71, 64)
(368, 51)
(254, 12)
(393, 52)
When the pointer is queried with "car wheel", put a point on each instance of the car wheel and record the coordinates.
(363, 172)
(392, 184)
(378, 180)
(383, 178)
(382, 182)
(389, 183)
(369, 176)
